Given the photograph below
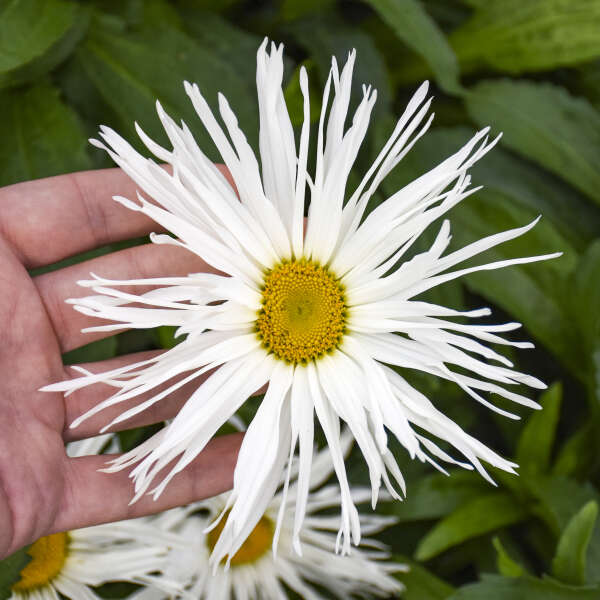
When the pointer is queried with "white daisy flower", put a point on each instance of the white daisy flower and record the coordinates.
(71, 563)
(329, 320)
(256, 572)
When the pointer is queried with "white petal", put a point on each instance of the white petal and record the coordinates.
(331, 428)
(259, 466)
(302, 420)
(277, 146)
(301, 175)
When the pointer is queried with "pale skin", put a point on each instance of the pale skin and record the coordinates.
(42, 491)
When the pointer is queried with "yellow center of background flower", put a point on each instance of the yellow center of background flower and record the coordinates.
(257, 543)
(303, 311)
(48, 556)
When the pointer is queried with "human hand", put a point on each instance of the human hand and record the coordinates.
(42, 490)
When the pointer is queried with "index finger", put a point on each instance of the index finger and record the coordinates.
(53, 218)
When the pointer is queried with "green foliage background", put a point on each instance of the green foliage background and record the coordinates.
(528, 68)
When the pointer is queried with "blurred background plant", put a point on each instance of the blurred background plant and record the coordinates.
(530, 69)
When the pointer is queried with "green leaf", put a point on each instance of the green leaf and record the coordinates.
(41, 136)
(449, 14)
(37, 35)
(131, 438)
(136, 340)
(132, 70)
(166, 336)
(476, 3)
(479, 516)
(536, 35)
(117, 589)
(203, 5)
(569, 563)
(295, 9)
(588, 80)
(420, 32)
(507, 566)
(10, 571)
(231, 44)
(546, 124)
(420, 583)
(325, 37)
(92, 352)
(138, 13)
(494, 587)
(585, 297)
(580, 453)
(294, 98)
(558, 501)
(596, 381)
(559, 498)
(583, 302)
(437, 495)
(537, 438)
(157, 13)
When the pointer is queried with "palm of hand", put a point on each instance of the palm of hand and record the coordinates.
(41, 490)
(32, 467)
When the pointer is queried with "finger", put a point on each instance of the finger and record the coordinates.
(49, 219)
(92, 497)
(29, 355)
(75, 212)
(140, 262)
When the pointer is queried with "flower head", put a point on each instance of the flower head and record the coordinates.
(330, 318)
(256, 572)
(71, 563)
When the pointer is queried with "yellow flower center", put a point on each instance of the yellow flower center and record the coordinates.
(258, 542)
(48, 556)
(303, 311)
